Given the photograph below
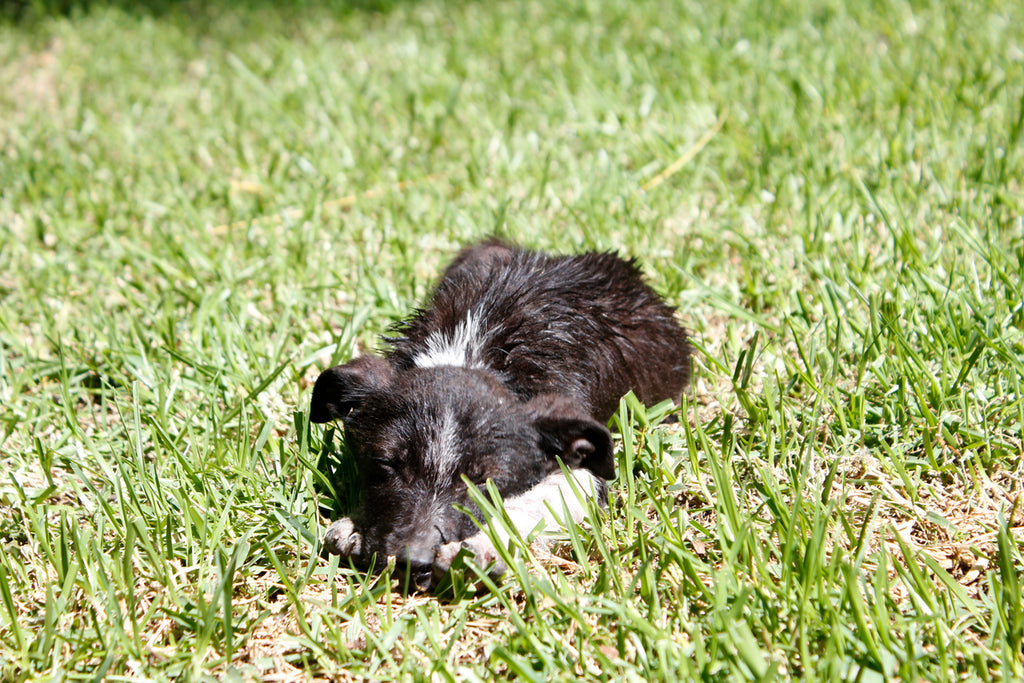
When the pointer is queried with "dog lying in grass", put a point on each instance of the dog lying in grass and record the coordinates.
(517, 362)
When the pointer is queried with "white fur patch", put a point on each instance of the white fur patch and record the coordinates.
(444, 453)
(460, 348)
(543, 502)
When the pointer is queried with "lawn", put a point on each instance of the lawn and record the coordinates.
(204, 204)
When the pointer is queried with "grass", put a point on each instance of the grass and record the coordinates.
(204, 204)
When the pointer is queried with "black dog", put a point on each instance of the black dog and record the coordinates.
(519, 360)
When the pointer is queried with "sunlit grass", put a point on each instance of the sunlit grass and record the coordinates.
(203, 205)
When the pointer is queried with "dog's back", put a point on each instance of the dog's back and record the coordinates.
(582, 326)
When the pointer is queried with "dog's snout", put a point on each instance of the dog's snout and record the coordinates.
(421, 575)
(418, 557)
(419, 567)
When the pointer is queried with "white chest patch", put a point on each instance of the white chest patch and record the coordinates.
(547, 502)
(459, 348)
(551, 498)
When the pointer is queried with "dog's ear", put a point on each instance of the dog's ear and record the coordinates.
(340, 389)
(566, 431)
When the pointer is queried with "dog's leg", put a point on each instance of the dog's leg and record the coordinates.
(542, 503)
(342, 538)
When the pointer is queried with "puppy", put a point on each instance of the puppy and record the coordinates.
(517, 362)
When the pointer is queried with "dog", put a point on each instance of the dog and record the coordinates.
(517, 362)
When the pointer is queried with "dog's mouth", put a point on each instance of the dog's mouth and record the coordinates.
(423, 571)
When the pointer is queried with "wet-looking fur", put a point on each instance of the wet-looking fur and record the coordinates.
(518, 360)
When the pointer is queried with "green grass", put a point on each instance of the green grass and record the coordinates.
(203, 204)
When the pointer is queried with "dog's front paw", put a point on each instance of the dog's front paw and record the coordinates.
(476, 549)
(342, 538)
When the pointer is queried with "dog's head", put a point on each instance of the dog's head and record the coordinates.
(415, 433)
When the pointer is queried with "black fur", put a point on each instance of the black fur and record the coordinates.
(519, 359)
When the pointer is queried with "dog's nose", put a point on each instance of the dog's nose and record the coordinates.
(418, 559)
(418, 564)
(421, 575)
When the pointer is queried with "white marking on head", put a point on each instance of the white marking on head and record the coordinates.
(443, 452)
(459, 348)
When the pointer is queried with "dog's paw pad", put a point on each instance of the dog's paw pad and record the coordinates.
(342, 538)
